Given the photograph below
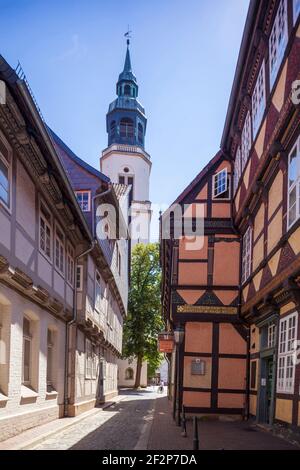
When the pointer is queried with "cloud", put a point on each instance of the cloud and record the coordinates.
(75, 51)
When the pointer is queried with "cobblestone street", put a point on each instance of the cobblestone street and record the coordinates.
(121, 426)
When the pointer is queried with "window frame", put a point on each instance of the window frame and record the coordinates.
(295, 185)
(227, 187)
(88, 359)
(246, 141)
(28, 338)
(260, 110)
(296, 11)
(273, 72)
(8, 166)
(247, 252)
(285, 383)
(237, 165)
(81, 192)
(49, 225)
(79, 269)
(61, 245)
(70, 261)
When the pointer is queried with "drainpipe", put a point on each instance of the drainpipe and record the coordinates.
(70, 323)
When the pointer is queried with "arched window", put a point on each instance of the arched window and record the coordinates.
(129, 374)
(127, 90)
(126, 128)
(113, 128)
(140, 133)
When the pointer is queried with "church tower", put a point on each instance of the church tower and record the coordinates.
(125, 160)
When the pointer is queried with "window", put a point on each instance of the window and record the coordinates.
(237, 169)
(126, 128)
(278, 41)
(113, 128)
(118, 259)
(129, 374)
(27, 347)
(50, 359)
(88, 359)
(246, 141)
(140, 133)
(129, 181)
(271, 337)
(70, 264)
(98, 292)
(253, 374)
(296, 10)
(59, 250)
(79, 278)
(5, 179)
(246, 255)
(127, 90)
(259, 99)
(286, 349)
(84, 200)
(221, 185)
(45, 231)
(294, 184)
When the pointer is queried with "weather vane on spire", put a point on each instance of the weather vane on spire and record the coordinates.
(128, 35)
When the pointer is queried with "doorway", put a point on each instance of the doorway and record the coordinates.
(266, 390)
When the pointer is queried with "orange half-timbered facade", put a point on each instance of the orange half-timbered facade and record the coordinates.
(262, 138)
(261, 146)
(201, 294)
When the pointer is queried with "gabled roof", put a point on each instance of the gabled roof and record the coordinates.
(75, 158)
(199, 177)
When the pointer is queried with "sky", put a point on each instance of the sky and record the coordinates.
(183, 52)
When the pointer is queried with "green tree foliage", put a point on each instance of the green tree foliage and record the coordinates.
(144, 320)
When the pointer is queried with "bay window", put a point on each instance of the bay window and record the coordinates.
(294, 184)
(278, 41)
(286, 351)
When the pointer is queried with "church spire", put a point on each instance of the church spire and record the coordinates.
(126, 121)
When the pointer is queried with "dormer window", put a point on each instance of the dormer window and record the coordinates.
(221, 185)
(84, 200)
(278, 41)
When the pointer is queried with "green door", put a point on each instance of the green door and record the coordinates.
(269, 384)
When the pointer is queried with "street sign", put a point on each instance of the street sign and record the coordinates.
(166, 342)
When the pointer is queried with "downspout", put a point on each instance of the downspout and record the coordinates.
(74, 319)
